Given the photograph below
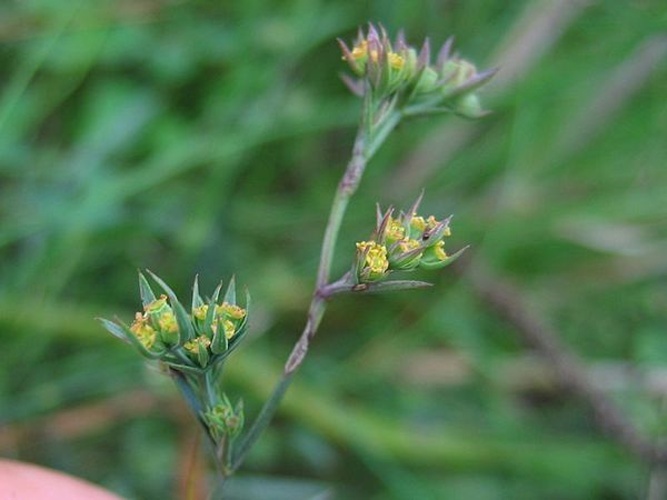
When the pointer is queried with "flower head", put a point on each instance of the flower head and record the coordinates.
(402, 72)
(184, 339)
(403, 243)
(223, 419)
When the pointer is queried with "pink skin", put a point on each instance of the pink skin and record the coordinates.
(19, 481)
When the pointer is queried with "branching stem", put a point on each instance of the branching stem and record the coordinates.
(372, 132)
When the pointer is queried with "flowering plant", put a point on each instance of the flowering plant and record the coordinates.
(395, 81)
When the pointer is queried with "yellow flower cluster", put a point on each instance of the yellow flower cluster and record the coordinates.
(158, 324)
(396, 68)
(145, 333)
(402, 243)
(375, 257)
(185, 340)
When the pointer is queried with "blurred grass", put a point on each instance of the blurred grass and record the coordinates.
(202, 137)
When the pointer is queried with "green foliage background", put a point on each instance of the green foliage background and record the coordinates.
(194, 136)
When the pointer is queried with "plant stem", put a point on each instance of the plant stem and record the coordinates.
(261, 422)
(370, 136)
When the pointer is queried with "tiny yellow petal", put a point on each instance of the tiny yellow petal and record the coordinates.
(230, 329)
(167, 322)
(200, 312)
(395, 230)
(193, 345)
(143, 331)
(360, 51)
(440, 250)
(418, 223)
(408, 244)
(395, 60)
(231, 311)
(156, 305)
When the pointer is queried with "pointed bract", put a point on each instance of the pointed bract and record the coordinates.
(196, 299)
(230, 294)
(147, 295)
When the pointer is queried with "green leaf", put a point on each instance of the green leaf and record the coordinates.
(439, 264)
(216, 293)
(202, 354)
(210, 317)
(196, 299)
(184, 368)
(244, 322)
(219, 342)
(147, 295)
(391, 286)
(115, 329)
(230, 294)
(123, 332)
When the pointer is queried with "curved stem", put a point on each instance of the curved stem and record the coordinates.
(373, 131)
(346, 188)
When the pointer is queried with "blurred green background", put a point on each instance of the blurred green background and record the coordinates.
(195, 136)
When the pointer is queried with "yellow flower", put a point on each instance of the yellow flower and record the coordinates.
(360, 51)
(143, 331)
(193, 345)
(167, 322)
(230, 310)
(395, 230)
(408, 245)
(200, 312)
(418, 223)
(376, 257)
(395, 60)
(157, 305)
(230, 329)
(439, 250)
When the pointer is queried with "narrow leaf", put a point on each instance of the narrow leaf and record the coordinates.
(202, 354)
(442, 263)
(216, 293)
(219, 342)
(230, 294)
(196, 299)
(390, 286)
(210, 316)
(115, 329)
(147, 295)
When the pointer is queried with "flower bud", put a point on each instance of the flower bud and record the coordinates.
(163, 320)
(225, 420)
(469, 106)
